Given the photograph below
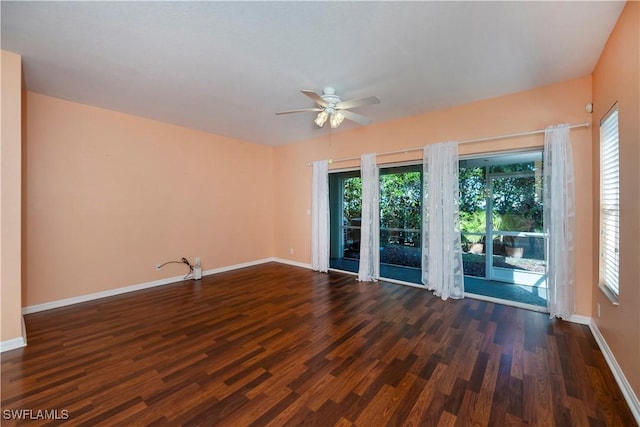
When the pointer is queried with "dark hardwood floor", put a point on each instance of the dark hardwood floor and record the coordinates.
(281, 345)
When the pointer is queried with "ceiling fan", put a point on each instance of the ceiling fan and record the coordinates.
(330, 106)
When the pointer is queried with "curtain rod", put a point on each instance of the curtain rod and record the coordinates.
(489, 138)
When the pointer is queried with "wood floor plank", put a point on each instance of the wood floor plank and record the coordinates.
(348, 380)
(256, 407)
(419, 412)
(543, 391)
(280, 345)
(372, 412)
(464, 415)
(486, 392)
(384, 404)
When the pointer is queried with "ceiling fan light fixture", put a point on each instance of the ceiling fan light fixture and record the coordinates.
(321, 118)
(330, 106)
(336, 120)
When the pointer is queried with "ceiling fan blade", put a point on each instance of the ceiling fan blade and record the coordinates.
(317, 98)
(357, 102)
(298, 111)
(350, 115)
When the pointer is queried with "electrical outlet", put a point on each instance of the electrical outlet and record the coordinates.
(291, 251)
(157, 267)
(598, 308)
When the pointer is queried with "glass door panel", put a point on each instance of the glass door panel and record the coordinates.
(400, 222)
(516, 238)
(473, 219)
(345, 211)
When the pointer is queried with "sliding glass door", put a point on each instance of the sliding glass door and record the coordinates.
(500, 218)
(400, 221)
(501, 215)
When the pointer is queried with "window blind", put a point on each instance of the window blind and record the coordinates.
(609, 201)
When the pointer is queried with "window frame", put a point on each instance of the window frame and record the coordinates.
(609, 205)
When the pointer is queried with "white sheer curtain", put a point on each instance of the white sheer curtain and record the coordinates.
(369, 269)
(441, 250)
(559, 220)
(320, 216)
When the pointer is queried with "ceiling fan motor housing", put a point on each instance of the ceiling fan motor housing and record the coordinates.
(330, 97)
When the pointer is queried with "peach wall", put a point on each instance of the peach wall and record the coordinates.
(109, 195)
(530, 110)
(617, 78)
(10, 196)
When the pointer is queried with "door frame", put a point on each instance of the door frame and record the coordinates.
(500, 274)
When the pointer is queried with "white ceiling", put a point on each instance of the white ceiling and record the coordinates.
(227, 67)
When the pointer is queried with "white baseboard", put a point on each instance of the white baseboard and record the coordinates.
(582, 320)
(236, 266)
(290, 262)
(118, 291)
(625, 387)
(12, 344)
